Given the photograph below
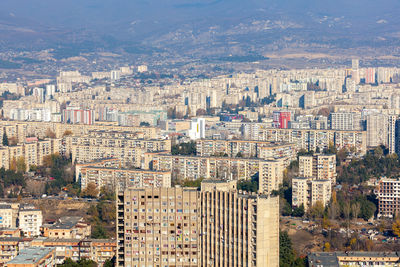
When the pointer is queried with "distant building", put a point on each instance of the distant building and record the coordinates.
(142, 68)
(115, 75)
(197, 129)
(282, 119)
(76, 115)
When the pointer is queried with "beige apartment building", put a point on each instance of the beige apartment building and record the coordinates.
(158, 227)
(247, 149)
(6, 216)
(39, 129)
(95, 139)
(270, 176)
(110, 177)
(32, 151)
(310, 140)
(193, 167)
(319, 166)
(309, 191)
(238, 229)
(217, 226)
(128, 156)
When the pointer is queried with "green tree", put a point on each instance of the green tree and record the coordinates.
(5, 139)
(299, 211)
(287, 255)
(99, 232)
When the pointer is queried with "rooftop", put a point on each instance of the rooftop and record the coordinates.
(31, 255)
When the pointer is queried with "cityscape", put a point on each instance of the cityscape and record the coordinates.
(248, 137)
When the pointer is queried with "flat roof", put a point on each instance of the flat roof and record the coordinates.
(31, 255)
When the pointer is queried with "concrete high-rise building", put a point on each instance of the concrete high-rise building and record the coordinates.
(370, 75)
(282, 119)
(270, 175)
(238, 229)
(347, 121)
(391, 142)
(115, 75)
(78, 115)
(377, 130)
(388, 197)
(318, 166)
(309, 191)
(355, 64)
(158, 227)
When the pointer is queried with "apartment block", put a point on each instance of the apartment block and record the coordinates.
(388, 194)
(111, 176)
(34, 257)
(248, 149)
(347, 121)
(158, 227)
(128, 156)
(310, 140)
(69, 227)
(270, 176)
(319, 166)
(6, 216)
(193, 167)
(353, 258)
(238, 229)
(30, 221)
(309, 191)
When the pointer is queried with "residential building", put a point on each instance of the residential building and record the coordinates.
(68, 227)
(238, 229)
(34, 257)
(30, 220)
(309, 191)
(388, 195)
(319, 166)
(158, 227)
(353, 258)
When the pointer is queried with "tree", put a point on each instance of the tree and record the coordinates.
(5, 139)
(90, 191)
(80, 263)
(144, 124)
(333, 210)
(110, 262)
(355, 210)
(50, 134)
(21, 165)
(286, 253)
(396, 227)
(99, 232)
(67, 133)
(299, 211)
(327, 247)
(317, 210)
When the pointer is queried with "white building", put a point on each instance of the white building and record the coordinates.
(197, 129)
(30, 220)
(6, 216)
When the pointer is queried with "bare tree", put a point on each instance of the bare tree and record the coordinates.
(355, 210)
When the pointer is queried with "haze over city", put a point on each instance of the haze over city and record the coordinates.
(199, 133)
